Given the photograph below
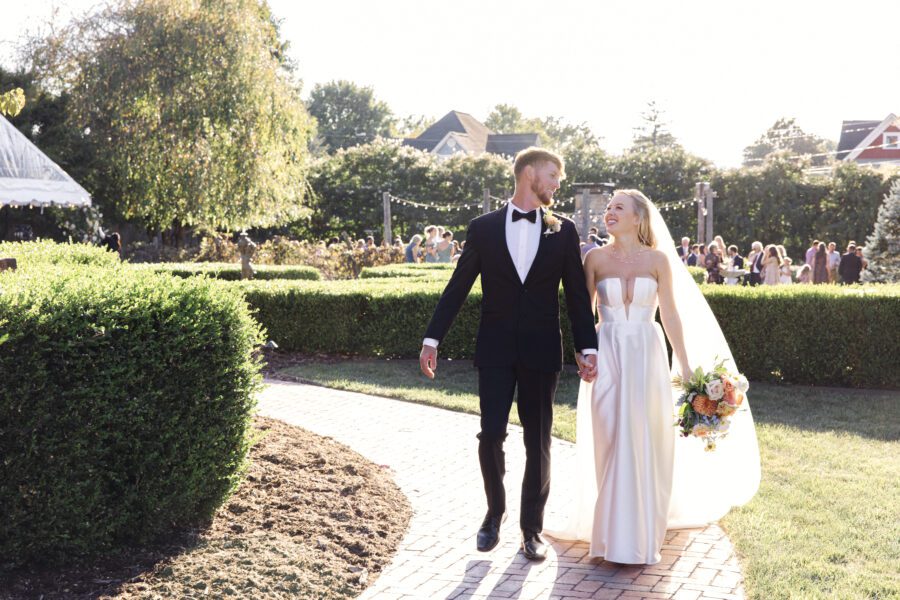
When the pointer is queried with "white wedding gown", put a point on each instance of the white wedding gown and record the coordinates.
(635, 478)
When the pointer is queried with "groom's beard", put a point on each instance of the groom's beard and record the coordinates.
(544, 196)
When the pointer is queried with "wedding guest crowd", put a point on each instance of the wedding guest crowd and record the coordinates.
(770, 265)
(436, 246)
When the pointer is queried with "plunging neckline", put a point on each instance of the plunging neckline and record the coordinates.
(623, 290)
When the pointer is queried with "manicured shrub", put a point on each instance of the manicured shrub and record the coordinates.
(31, 255)
(819, 335)
(430, 270)
(698, 273)
(124, 409)
(232, 271)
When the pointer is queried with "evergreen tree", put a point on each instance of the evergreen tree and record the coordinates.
(654, 133)
(883, 246)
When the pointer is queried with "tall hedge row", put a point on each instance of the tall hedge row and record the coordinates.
(818, 335)
(124, 409)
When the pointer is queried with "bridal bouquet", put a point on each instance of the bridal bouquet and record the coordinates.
(708, 401)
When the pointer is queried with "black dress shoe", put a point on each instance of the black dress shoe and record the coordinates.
(489, 534)
(533, 545)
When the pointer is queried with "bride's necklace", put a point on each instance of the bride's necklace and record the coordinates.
(626, 258)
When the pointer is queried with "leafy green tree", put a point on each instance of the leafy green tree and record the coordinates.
(586, 163)
(851, 205)
(666, 174)
(786, 137)
(188, 109)
(653, 132)
(553, 132)
(771, 204)
(506, 118)
(348, 187)
(411, 126)
(883, 245)
(348, 114)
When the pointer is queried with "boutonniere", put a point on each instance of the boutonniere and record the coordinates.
(552, 222)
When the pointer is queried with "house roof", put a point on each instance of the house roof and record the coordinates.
(472, 135)
(869, 135)
(468, 143)
(852, 133)
(508, 144)
(453, 121)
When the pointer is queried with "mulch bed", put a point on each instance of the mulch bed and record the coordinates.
(312, 519)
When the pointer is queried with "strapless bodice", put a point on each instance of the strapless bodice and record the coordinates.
(612, 300)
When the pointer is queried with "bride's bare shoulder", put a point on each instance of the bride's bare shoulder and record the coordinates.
(659, 258)
(596, 256)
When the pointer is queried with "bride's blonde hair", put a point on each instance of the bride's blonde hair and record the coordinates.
(642, 205)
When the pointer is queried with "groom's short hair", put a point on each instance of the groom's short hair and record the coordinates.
(537, 156)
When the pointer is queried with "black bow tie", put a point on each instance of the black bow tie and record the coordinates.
(531, 216)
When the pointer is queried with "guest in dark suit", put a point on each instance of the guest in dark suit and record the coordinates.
(735, 262)
(522, 252)
(850, 267)
(694, 256)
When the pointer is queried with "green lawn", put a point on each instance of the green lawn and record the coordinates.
(826, 520)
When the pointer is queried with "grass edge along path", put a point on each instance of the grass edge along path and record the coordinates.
(824, 522)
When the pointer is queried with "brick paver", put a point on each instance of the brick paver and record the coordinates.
(432, 454)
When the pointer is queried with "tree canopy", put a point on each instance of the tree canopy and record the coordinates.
(189, 109)
(787, 138)
(348, 114)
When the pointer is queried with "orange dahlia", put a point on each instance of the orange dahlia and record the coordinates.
(704, 405)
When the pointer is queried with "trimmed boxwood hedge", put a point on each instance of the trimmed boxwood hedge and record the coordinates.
(698, 273)
(429, 270)
(445, 270)
(125, 406)
(819, 335)
(232, 271)
(32, 255)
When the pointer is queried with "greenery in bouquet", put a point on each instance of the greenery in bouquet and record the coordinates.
(708, 401)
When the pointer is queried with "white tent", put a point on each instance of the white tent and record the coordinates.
(29, 178)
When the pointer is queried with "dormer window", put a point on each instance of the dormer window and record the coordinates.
(891, 141)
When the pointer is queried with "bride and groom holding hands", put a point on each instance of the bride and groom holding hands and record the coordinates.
(634, 478)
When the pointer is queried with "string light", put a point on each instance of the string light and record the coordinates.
(432, 206)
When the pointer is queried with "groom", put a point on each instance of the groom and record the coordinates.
(522, 252)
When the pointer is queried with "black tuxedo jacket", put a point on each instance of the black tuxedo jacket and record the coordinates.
(519, 321)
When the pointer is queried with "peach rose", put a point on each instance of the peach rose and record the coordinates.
(729, 385)
(730, 395)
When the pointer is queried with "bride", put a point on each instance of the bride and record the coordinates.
(646, 480)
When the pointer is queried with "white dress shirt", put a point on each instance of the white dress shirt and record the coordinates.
(522, 240)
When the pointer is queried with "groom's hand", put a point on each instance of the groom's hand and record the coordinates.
(587, 366)
(428, 360)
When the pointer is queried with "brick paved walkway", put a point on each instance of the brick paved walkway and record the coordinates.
(432, 453)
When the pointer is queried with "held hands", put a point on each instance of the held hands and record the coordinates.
(428, 360)
(587, 366)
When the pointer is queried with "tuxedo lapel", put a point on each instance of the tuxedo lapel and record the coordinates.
(542, 247)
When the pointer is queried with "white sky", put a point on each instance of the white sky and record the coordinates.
(723, 71)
